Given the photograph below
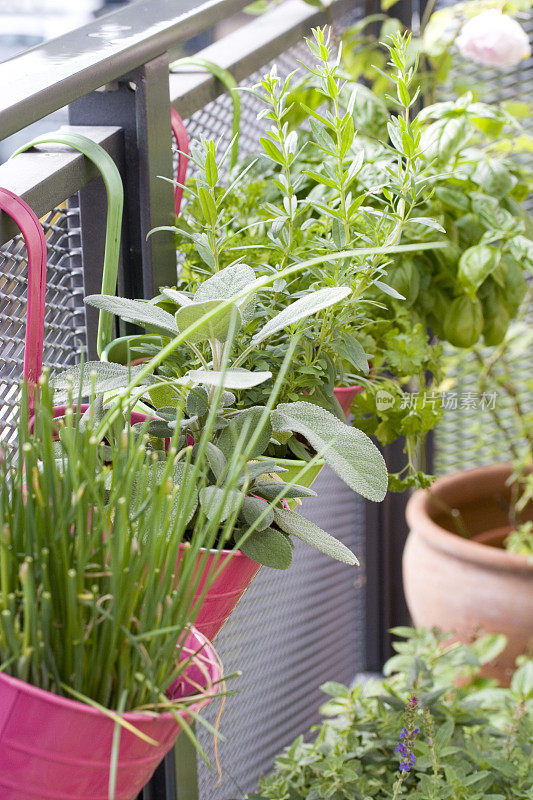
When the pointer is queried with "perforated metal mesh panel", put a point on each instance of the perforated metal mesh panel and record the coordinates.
(65, 316)
(467, 435)
(214, 120)
(292, 630)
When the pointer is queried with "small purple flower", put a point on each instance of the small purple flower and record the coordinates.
(408, 736)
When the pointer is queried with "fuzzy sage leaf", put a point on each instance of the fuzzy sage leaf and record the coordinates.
(348, 451)
(300, 309)
(311, 534)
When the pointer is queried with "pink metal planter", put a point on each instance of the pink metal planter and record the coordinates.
(33, 235)
(182, 140)
(35, 241)
(54, 748)
(226, 590)
(345, 395)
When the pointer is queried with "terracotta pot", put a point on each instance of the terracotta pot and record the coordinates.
(464, 585)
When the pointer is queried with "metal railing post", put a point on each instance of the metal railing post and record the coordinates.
(386, 533)
(139, 103)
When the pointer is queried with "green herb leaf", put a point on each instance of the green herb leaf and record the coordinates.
(348, 451)
(270, 547)
(218, 326)
(253, 508)
(215, 501)
(231, 379)
(104, 376)
(475, 265)
(311, 534)
(250, 419)
(302, 308)
(271, 489)
(140, 312)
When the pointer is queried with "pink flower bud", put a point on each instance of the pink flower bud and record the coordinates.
(494, 39)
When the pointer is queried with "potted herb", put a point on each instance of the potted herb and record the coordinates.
(296, 198)
(204, 405)
(469, 291)
(95, 632)
(431, 201)
(417, 733)
(469, 190)
(316, 428)
(473, 530)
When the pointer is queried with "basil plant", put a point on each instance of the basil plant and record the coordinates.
(207, 324)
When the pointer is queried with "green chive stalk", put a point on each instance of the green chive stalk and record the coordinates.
(93, 604)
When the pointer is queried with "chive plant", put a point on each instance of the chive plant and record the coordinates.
(91, 606)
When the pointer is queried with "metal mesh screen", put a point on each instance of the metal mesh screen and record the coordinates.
(214, 120)
(293, 630)
(65, 316)
(467, 435)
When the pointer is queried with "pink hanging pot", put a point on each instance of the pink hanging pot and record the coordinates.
(54, 748)
(35, 241)
(236, 573)
(345, 395)
(182, 140)
(34, 238)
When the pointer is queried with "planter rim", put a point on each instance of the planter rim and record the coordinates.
(129, 338)
(418, 513)
(234, 552)
(350, 387)
(292, 461)
(129, 716)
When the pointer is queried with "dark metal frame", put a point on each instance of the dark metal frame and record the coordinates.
(247, 50)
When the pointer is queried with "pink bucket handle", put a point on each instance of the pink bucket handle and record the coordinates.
(182, 140)
(33, 235)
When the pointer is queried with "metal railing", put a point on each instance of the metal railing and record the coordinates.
(114, 76)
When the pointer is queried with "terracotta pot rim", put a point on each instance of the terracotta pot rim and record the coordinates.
(418, 513)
